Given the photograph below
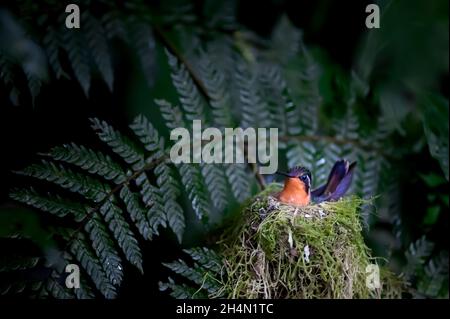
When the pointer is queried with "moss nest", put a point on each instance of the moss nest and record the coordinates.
(317, 251)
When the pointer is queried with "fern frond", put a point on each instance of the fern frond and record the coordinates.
(436, 277)
(274, 91)
(218, 94)
(196, 274)
(86, 186)
(104, 249)
(170, 187)
(122, 233)
(114, 25)
(171, 114)
(191, 101)
(181, 291)
(74, 45)
(216, 184)
(143, 41)
(12, 263)
(137, 213)
(203, 274)
(152, 198)
(417, 254)
(238, 178)
(85, 291)
(147, 134)
(53, 43)
(52, 204)
(119, 144)
(98, 45)
(54, 289)
(192, 181)
(255, 112)
(286, 40)
(207, 258)
(82, 252)
(89, 160)
(190, 174)
(6, 72)
(34, 85)
(194, 109)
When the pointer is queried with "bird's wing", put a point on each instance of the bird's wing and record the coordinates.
(318, 191)
(344, 184)
(337, 173)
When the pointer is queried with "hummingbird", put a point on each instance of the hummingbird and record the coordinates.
(297, 185)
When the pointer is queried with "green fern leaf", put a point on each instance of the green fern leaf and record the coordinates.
(152, 198)
(172, 115)
(238, 179)
(89, 187)
(417, 254)
(85, 291)
(53, 42)
(119, 144)
(52, 204)
(196, 274)
(122, 233)
(74, 45)
(137, 213)
(98, 45)
(207, 258)
(190, 174)
(104, 249)
(147, 134)
(89, 160)
(12, 263)
(191, 101)
(218, 95)
(170, 187)
(56, 290)
(90, 263)
(273, 90)
(191, 179)
(181, 291)
(436, 277)
(215, 181)
(255, 111)
(114, 25)
(143, 41)
(34, 85)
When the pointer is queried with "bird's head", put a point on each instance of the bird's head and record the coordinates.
(300, 173)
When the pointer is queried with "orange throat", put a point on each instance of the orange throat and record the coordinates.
(294, 193)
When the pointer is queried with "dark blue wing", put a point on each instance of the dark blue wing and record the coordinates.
(343, 185)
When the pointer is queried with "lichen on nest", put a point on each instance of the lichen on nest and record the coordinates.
(316, 251)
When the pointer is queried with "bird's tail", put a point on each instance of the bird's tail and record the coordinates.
(338, 183)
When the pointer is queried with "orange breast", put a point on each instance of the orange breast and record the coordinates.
(294, 193)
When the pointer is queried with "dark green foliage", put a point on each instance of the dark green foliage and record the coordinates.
(429, 274)
(226, 76)
(89, 160)
(109, 207)
(202, 273)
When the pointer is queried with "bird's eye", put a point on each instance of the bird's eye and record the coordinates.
(303, 178)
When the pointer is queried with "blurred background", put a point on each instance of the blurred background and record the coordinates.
(378, 96)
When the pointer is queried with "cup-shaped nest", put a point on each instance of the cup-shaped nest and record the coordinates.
(316, 251)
